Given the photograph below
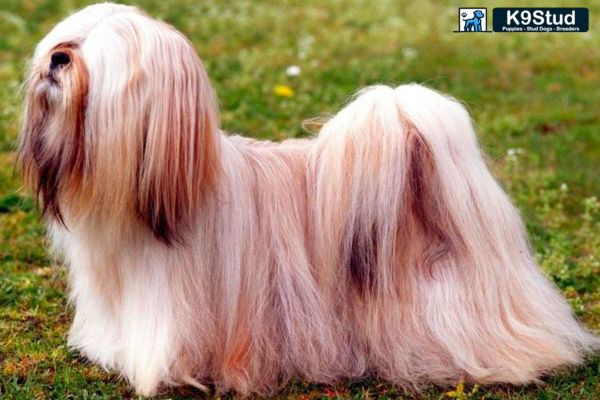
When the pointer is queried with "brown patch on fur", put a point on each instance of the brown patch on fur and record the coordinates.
(363, 260)
(236, 360)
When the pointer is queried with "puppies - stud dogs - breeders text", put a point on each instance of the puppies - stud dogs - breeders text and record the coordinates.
(381, 246)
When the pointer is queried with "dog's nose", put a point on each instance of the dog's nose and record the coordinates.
(59, 58)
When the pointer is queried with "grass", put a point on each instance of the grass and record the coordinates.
(534, 98)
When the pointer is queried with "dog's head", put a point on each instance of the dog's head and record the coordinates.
(478, 14)
(119, 121)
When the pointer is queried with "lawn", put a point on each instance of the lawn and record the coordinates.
(534, 97)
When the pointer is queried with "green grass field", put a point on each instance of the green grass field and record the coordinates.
(534, 97)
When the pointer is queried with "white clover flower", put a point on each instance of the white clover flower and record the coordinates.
(409, 53)
(514, 152)
(564, 187)
(293, 70)
(305, 45)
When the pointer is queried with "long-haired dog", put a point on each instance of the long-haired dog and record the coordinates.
(381, 247)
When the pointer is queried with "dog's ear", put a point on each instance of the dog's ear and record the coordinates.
(179, 151)
(152, 125)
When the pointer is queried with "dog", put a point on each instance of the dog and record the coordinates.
(474, 24)
(382, 246)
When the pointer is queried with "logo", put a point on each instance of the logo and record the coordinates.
(541, 19)
(472, 20)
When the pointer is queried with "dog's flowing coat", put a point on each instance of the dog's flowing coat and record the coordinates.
(381, 246)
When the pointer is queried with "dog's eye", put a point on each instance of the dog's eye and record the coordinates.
(59, 58)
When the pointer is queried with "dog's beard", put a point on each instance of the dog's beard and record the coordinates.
(50, 92)
(381, 246)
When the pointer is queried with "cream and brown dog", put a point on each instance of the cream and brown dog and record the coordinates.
(382, 246)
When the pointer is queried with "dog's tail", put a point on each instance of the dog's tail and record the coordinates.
(425, 253)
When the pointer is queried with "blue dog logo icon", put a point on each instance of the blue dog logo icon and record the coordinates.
(472, 20)
(473, 24)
